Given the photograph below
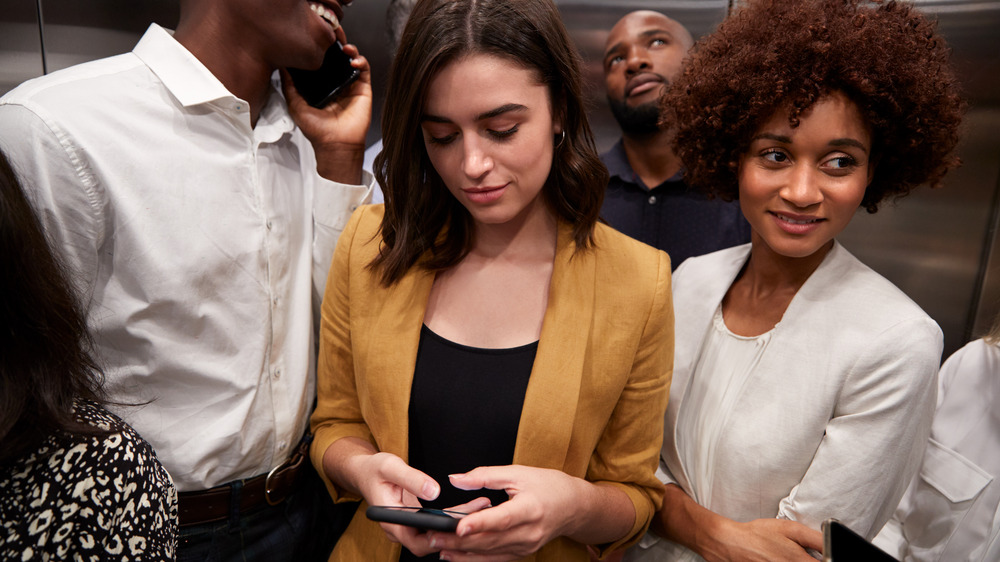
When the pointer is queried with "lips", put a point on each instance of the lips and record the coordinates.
(326, 13)
(642, 83)
(485, 194)
(793, 223)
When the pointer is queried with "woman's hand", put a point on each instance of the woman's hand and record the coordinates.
(384, 479)
(719, 539)
(544, 504)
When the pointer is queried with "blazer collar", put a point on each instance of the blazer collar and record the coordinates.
(550, 403)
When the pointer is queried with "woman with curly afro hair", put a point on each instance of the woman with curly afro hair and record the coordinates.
(803, 384)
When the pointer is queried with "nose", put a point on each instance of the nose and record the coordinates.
(476, 160)
(637, 59)
(802, 188)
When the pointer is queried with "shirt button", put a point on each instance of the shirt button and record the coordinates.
(277, 373)
(269, 225)
(652, 200)
(281, 446)
(275, 301)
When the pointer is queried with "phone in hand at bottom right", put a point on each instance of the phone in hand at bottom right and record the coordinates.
(841, 544)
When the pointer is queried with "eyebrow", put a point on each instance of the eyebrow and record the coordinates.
(506, 108)
(835, 142)
(644, 34)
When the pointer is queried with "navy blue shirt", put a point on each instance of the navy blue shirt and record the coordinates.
(680, 221)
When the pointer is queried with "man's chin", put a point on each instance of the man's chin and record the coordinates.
(642, 119)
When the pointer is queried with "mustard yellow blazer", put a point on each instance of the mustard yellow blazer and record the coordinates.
(596, 395)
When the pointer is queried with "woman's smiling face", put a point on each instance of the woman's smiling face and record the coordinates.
(800, 187)
(489, 133)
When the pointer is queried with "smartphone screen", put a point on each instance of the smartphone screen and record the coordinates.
(320, 87)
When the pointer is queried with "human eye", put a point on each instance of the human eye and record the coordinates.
(658, 42)
(502, 135)
(439, 134)
(840, 163)
(774, 156)
(441, 140)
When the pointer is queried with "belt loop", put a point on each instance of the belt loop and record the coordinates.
(234, 504)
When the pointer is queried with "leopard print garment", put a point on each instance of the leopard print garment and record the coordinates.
(89, 498)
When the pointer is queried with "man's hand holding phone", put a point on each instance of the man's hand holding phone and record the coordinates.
(337, 130)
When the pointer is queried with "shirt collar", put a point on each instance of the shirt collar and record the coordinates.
(192, 83)
(618, 165)
(617, 162)
(182, 73)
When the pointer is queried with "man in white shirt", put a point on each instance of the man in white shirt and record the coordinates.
(198, 212)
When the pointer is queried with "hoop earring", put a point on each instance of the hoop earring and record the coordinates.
(561, 139)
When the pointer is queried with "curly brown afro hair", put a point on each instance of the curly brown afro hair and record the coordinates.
(775, 54)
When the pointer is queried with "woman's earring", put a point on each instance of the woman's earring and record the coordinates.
(561, 139)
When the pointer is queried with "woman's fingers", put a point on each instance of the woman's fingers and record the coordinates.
(392, 469)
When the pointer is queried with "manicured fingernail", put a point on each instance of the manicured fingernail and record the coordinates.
(456, 476)
(433, 541)
(430, 490)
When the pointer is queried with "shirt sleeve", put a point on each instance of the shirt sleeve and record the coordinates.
(333, 205)
(67, 196)
(876, 435)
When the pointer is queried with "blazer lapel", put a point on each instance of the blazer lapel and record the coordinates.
(703, 300)
(393, 359)
(546, 426)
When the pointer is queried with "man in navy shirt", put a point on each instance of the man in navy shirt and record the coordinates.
(647, 198)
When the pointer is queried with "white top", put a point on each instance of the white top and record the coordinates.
(200, 246)
(951, 511)
(369, 165)
(833, 418)
(723, 367)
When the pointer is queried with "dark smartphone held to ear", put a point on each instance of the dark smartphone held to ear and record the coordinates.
(420, 518)
(320, 87)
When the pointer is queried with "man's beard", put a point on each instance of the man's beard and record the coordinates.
(636, 121)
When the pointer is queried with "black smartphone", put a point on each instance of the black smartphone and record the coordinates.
(841, 544)
(320, 87)
(417, 517)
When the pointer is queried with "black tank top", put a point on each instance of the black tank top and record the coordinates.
(465, 407)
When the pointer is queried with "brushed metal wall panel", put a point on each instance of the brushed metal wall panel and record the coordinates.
(77, 31)
(935, 244)
(20, 45)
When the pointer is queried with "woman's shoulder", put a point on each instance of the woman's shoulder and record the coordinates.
(362, 233)
(622, 252)
(858, 291)
(118, 450)
(104, 486)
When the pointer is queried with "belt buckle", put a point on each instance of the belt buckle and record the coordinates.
(290, 462)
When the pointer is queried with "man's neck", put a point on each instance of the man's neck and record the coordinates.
(651, 157)
(242, 73)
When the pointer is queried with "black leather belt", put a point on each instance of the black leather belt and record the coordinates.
(208, 506)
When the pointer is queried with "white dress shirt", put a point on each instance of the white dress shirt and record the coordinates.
(200, 246)
(834, 414)
(951, 511)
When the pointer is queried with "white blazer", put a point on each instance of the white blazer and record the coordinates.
(951, 511)
(835, 415)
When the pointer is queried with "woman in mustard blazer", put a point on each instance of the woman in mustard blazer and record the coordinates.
(483, 338)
